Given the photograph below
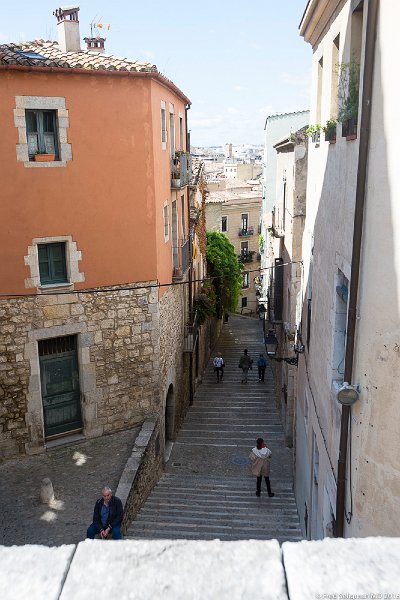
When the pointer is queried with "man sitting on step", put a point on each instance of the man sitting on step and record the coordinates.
(107, 516)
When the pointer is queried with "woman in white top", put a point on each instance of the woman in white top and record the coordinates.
(219, 366)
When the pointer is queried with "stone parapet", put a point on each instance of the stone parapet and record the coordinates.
(203, 570)
(141, 471)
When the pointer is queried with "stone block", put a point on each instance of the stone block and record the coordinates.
(33, 572)
(374, 571)
(59, 311)
(178, 569)
(123, 331)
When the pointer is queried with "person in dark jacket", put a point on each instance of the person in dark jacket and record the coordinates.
(245, 363)
(107, 516)
(261, 364)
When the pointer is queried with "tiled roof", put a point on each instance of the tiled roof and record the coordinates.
(224, 196)
(48, 54)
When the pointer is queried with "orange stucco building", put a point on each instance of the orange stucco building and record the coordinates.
(95, 216)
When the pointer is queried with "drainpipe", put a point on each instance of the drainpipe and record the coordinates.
(372, 16)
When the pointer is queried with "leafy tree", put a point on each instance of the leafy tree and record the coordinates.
(226, 270)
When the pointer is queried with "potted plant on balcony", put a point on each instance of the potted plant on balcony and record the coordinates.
(349, 84)
(40, 156)
(314, 132)
(330, 131)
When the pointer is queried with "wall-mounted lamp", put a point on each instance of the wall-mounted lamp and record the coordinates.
(271, 346)
(347, 394)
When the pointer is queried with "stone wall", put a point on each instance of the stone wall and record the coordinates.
(118, 354)
(141, 472)
(174, 365)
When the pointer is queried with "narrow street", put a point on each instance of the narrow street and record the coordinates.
(206, 490)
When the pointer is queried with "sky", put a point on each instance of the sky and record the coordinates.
(237, 61)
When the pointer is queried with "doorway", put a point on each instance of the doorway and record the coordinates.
(59, 377)
(169, 420)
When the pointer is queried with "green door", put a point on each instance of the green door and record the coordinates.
(60, 385)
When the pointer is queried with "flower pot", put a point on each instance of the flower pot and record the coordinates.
(349, 129)
(45, 157)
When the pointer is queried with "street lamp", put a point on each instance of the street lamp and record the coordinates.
(271, 345)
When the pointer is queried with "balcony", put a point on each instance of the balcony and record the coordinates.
(191, 333)
(181, 258)
(246, 257)
(246, 232)
(180, 170)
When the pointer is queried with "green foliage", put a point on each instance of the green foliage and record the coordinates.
(330, 125)
(313, 130)
(205, 303)
(225, 267)
(261, 242)
(349, 84)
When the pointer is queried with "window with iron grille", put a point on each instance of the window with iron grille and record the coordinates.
(52, 263)
(244, 302)
(41, 132)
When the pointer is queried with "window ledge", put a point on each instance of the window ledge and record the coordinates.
(55, 286)
(54, 163)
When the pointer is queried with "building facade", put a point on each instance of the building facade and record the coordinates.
(347, 456)
(283, 281)
(236, 212)
(96, 243)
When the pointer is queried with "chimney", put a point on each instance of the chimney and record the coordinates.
(95, 44)
(68, 28)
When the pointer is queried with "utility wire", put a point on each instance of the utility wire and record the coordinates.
(133, 286)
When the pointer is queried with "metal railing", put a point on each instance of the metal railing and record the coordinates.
(180, 170)
(181, 255)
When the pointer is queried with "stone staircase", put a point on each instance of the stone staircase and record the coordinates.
(206, 490)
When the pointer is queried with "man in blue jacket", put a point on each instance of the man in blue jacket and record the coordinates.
(107, 516)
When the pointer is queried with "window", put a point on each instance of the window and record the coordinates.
(244, 248)
(339, 334)
(335, 77)
(244, 302)
(180, 132)
(320, 72)
(244, 222)
(183, 217)
(52, 263)
(166, 222)
(41, 132)
(172, 131)
(224, 224)
(163, 126)
(42, 123)
(245, 279)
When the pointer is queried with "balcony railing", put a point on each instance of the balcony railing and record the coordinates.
(246, 232)
(246, 257)
(180, 170)
(181, 258)
(191, 333)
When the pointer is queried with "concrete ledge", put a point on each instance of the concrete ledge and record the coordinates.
(33, 572)
(338, 568)
(177, 570)
(203, 570)
(141, 472)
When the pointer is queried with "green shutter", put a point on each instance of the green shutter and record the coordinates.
(52, 263)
